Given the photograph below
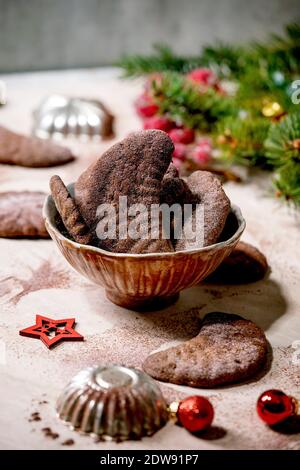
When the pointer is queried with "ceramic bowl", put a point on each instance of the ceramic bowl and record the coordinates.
(144, 281)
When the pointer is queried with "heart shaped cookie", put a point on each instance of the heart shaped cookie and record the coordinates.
(227, 349)
(133, 168)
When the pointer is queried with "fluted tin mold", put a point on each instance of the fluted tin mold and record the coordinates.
(113, 403)
(59, 115)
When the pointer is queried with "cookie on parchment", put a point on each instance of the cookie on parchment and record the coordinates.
(21, 214)
(17, 149)
(133, 168)
(69, 212)
(245, 264)
(227, 349)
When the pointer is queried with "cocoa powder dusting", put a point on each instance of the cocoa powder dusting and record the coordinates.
(46, 276)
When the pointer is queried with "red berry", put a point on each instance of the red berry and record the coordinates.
(158, 122)
(180, 151)
(145, 106)
(204, 141)
(274, 406)
(182, 136)
(195, 413)
(178, 163)
(203, 76)
(202, 154)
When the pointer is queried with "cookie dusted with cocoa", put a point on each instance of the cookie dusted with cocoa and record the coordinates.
(69, 212)
(21, 214)
(209, 198)
(174, 189)
(17, 149)
(244, 265)
(227, 349)
(133, 168)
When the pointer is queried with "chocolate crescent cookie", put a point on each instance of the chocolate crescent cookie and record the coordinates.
(133, 168)
(209, 195)
(227, 349)
(17, 149)
(245, 264)
(21, 215)
(69, 212)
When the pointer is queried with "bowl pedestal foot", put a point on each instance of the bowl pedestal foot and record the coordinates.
(141, 303)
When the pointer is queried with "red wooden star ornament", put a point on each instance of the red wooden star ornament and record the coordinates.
(51, 332)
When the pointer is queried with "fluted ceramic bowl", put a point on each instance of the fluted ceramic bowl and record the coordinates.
(144, 281)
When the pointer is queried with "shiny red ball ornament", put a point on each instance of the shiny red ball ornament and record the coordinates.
(195, 413)
(274, 406)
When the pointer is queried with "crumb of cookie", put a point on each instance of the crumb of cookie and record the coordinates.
(35, 417)
(68, 442)
(49, 433)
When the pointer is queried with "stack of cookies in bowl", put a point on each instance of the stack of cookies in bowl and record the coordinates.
(132, 225)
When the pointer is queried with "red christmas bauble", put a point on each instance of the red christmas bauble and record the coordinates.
(274, 406)
(195, 413)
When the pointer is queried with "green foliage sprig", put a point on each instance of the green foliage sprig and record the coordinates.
(277, 53)
(282, 148)
(244, 132)
(241, 141)
(181, 101)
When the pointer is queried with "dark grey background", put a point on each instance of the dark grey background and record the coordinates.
(45, 34)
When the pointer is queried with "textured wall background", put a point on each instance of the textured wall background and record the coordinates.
(41, 34)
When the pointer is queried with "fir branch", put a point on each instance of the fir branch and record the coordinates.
(283, 142)
(241, 140)
(277, 53)
(182, 101)
(287, 183)
(281, 52)
(163, 59)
